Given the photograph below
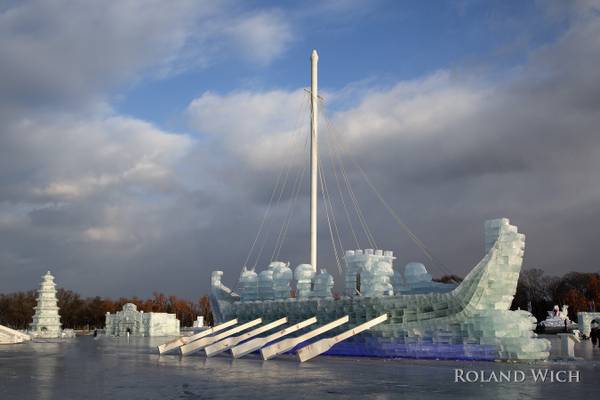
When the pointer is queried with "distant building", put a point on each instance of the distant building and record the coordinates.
(138, 323)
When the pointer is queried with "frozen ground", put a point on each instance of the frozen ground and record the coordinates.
(112, 368)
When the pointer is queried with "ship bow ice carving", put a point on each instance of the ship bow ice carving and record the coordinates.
(427, 320)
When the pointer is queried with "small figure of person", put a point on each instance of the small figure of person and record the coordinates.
(95, 332)
(595, 333)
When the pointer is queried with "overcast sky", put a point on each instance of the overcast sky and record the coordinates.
(140, 141)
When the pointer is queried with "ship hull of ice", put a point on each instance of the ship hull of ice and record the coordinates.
(472, 321)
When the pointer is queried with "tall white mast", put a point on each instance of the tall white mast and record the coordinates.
(314, 168)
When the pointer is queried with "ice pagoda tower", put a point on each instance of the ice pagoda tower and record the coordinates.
(46, 321)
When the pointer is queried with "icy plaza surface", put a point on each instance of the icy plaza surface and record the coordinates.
(114, 368)
(427, 319)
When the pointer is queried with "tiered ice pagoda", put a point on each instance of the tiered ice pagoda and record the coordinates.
(46, 321)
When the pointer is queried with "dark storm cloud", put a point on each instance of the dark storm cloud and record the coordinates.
(116, 206)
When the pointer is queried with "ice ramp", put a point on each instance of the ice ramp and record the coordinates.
(11, 336)
(177, 343)
(321, 346)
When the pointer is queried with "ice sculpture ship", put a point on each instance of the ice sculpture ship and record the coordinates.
(427, 319)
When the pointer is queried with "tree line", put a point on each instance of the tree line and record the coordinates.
(77, 312)
(539, 293)
(536, 292)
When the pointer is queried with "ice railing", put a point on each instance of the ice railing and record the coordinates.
(368, 273)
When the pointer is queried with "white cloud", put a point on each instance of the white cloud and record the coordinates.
(110, 234)
(68, 158)
(261, 37)
(420, 107)
(57, 52)
(265, 128)
(261, 128)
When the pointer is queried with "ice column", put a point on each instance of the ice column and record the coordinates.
(352, 270)
(323, 285)
(304, 275)
(265, 284)
(282, 276)
(248, 285)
